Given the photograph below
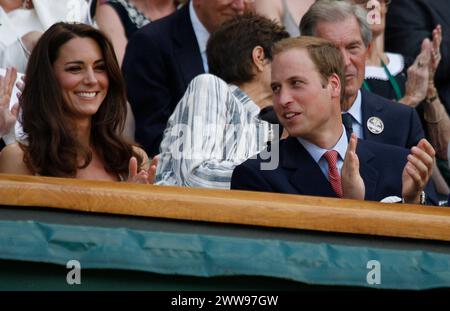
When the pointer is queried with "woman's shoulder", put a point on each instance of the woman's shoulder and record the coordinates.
(204, 90)
(208, 79)
(11, 160)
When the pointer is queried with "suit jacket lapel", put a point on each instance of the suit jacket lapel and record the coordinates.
(370, 108)
(306, 176)
(186, 48)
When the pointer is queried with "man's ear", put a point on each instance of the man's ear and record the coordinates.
(335, 85)
(259, 58)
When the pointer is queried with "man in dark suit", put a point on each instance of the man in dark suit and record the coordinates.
(306, 83)
(408, 22)
(163, 57)
(371, 116)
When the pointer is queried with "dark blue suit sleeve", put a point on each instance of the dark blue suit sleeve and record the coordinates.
(249, 178)
(416, 132)
(145, 69)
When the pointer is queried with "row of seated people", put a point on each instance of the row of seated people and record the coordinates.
(120, 19)
(163, 57)
(233, 97)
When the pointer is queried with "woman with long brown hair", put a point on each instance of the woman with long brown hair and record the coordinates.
(73, 110)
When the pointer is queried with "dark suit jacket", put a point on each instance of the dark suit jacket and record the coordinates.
(381, 168)
(402, 126)
(160, 61)
(408, 22)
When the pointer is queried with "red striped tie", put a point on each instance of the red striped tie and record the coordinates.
(333, 173)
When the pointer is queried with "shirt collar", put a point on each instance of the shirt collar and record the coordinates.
(395, 66)
(317, 152)
(201, 33)
(355, 110)
(246, 101)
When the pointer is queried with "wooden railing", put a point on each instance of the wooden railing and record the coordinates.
(227, 206)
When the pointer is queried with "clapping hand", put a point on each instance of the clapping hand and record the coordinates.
(143, 176)
(352, 183)
(418, 74)
(7, 116)
(417, 171)
(435, 51)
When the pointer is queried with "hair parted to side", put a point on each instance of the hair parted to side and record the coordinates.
(335, 11)
(230, 47)
(51, 148)
(323, 53)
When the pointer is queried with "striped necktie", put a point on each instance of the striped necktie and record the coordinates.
(333, 173)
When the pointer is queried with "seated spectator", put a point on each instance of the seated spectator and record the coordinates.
(216, 124)
(23, 21)
(73, 108)
(164, 56)
(369, 115)
(386, 72)
(286, 12)
(385, 75)
(308, 79)
(120, 19)
(409, 22)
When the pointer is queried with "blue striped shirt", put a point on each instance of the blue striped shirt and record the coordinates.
(214, 128)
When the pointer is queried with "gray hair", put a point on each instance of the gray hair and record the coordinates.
(334, 11)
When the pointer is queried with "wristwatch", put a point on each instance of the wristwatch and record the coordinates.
(422, 198)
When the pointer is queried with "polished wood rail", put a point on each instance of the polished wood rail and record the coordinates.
(226, 206)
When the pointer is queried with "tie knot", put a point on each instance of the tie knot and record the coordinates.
(331, 157)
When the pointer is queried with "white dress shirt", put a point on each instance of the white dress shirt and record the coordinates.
(201, 33)
(356, 113)
(317, 152)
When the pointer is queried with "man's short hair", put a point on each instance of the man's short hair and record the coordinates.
(230, 47)
(323, 53)
(335, 11)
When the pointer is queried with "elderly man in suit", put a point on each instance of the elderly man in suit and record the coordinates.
(164, 56)
(368, 115)
(308, 85)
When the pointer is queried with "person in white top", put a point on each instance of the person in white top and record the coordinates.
(23, 21)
